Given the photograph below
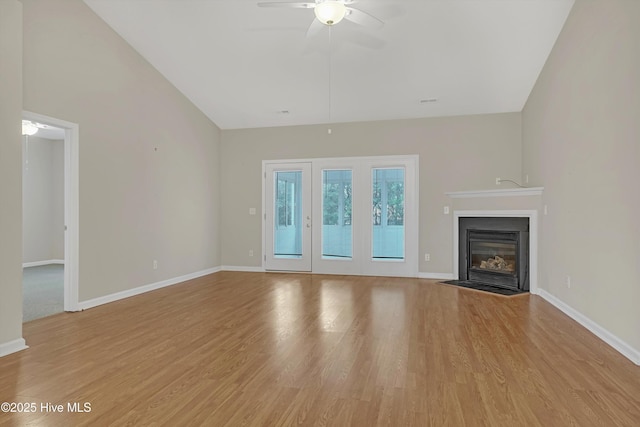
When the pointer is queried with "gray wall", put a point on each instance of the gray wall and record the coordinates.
(42, 199)
(581, 141)
(149, 159)
(10, 171)
(456, 153)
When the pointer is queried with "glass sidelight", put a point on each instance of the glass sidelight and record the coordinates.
(388, 217)
(337, 209)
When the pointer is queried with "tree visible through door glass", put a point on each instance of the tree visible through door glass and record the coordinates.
(388, 213)
(337, 237)
(288, 214)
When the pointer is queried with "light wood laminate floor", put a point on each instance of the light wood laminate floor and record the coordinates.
(295, 349)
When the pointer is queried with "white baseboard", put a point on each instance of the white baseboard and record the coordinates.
(437, 276)
(242, 268)
(84, 305)
(13, 347)
(39, 263)
(622, 347)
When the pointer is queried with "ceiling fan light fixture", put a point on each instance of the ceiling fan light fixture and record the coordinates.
(28, 128)
(330, 12)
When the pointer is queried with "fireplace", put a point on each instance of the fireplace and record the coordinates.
(494, 251)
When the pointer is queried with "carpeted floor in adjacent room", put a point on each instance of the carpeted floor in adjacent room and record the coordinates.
(42, 291)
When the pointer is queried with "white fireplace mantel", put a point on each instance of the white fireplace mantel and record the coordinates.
(503, 192)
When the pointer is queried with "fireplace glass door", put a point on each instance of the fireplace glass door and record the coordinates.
(496, 257)
(493, 257)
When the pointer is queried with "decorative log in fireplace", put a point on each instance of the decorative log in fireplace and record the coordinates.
(495, 251)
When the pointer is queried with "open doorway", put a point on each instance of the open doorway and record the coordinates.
(50, 216)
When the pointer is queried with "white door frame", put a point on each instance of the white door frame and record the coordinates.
(71, 204)
(269, 260)
(382, 268)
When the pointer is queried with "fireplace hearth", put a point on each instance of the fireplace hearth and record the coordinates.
(495, 251)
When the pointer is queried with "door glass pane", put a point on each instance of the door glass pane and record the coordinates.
(388, 213)
(337, 238)
(287, 239)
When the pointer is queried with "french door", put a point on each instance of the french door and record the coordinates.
(364, 213)
(288, 216)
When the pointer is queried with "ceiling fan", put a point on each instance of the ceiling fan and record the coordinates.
(330, 12)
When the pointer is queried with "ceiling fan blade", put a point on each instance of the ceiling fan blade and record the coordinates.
(363, 18)
(293, 4)
(314, 28)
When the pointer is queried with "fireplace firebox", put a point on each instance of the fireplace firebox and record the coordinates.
(495, 251)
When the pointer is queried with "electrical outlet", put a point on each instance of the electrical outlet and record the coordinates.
(155, 264)
(252, 211)
(546, 211)
(526, 179)
(250, 252)
(427, 257)
(569, 282)
(498, 181)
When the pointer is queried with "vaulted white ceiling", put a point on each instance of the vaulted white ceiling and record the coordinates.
(244, 65)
